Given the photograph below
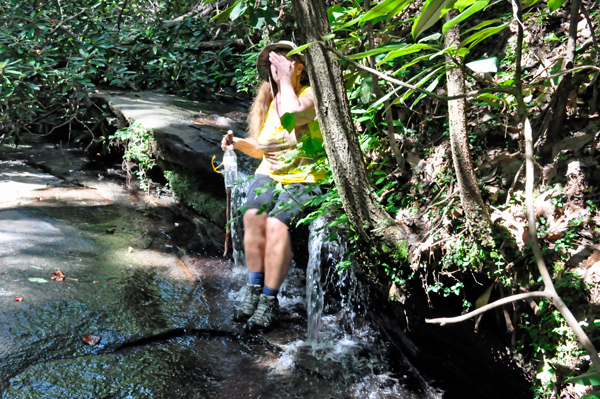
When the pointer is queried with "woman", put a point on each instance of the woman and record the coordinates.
(289, 159)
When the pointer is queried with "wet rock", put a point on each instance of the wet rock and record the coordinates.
(180, 141)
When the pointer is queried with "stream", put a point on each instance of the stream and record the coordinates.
(140, 316)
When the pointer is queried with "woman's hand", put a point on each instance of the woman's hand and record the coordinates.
(281, 67)
(224, 142)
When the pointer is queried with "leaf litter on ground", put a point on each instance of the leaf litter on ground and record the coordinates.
(57, 275)
(91, 339)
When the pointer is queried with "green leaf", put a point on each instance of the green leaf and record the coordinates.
(460, 5)
(423, 80)
(483, 25)
(378, 50)
(478, 6)
(591, 395)
(366, 88)
(431, 87)
(554, 5)
(478, 37)
(223, 16)
(441, 52)
(431, 38)
(413, 48)
(348, 24)
(433, 11)
(288, 121)
(590, 378)
(37, 280)
(155, 50)
(299, 49)
(528, 3)
(415, 61)
(334, 12)
(384, 8)
(484, 65)
(386, 97)
(312, 146)
(238, 10)
(491, 99)
(329, 36)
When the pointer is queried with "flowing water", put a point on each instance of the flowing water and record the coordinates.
(314, 285)
(161, 313)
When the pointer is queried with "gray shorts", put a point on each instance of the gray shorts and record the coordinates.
(285, 205)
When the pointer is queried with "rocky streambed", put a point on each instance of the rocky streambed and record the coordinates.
(142, 308)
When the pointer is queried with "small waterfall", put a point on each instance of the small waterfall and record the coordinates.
(238, 199)
(314, 285)
(239, 193)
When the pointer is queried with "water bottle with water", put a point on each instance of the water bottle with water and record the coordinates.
(230, 162)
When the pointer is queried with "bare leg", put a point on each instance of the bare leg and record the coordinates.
(278, 253)
(255, 240)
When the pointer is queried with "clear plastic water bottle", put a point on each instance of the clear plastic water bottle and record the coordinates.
(230, 165)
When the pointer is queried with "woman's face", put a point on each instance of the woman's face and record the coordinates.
(298, 67)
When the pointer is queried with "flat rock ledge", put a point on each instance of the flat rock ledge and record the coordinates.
(185, 147)
(181, 142)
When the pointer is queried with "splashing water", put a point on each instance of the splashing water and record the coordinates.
(314, 285)
(238, 199)
(239, 193)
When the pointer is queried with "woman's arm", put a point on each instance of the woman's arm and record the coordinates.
(302, 107)
(247, 146)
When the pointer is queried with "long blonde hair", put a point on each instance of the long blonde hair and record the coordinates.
(259, 109)
(262, 102)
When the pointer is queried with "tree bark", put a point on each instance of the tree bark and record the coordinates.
(370, 220)
(476, 214)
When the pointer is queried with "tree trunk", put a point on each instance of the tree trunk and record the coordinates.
(564, 88)
(476, 213)
(365, 213)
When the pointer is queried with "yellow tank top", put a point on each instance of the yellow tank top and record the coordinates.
(286, 156)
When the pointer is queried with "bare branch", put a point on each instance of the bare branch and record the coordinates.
(565, 72)
(589, 22)
(489, 306)
(119, 18)
(497, 89)
(64, 21)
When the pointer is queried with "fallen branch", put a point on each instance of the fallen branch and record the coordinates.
(513, 298)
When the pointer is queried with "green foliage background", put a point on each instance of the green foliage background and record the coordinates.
(54, 56)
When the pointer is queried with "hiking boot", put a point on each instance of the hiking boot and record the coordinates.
(249, 304)
(265, 315)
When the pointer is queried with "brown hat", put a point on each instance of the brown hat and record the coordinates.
(262, 62)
